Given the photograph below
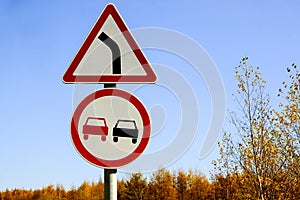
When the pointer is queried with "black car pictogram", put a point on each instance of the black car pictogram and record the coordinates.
(129, 131)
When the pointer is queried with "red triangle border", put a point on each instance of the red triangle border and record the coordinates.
(69, 76)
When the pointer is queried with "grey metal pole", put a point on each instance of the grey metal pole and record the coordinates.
(110, 184)
(110, 175)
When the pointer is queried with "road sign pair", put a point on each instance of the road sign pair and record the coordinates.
(110, 54)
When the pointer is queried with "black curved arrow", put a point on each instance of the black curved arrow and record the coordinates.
(116, 57)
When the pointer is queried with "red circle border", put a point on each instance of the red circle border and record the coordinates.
(102, 162)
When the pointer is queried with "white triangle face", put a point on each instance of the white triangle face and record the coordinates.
(98, 58)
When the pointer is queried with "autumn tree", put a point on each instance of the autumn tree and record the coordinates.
(135, 188)
(252, 147)
(60, 192)
(97, 190)
(161, 186)
(181, 183)
(288, 123)
(199, 186)
(121, 190)
(73, 193)
(191, 185)
(84, 191)
(225, 187)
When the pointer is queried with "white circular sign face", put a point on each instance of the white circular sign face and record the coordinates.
(110, 128)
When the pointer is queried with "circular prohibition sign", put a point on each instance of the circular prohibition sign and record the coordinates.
(105, 163)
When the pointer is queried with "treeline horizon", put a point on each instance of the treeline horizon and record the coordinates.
(162, 184)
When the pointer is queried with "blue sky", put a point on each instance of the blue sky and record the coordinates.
(40, 38)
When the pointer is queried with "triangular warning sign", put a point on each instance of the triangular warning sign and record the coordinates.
(109, 54)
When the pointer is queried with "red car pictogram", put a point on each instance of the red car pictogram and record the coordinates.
(92, 127)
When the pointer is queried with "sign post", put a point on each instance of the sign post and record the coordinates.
(110, 184)
(110, 127)
(110, 175)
